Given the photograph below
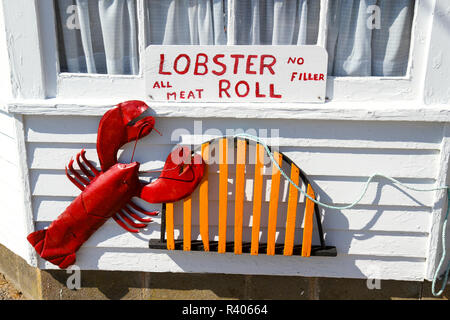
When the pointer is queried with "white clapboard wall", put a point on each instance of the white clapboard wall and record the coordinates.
(386, 236)
(13, 226)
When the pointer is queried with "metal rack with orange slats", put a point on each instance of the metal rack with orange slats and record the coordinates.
(255, 246)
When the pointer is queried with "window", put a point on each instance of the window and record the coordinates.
(97, 36)
(370, 43)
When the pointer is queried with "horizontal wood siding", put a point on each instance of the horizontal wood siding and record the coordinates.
(386, 234)
(13, 230)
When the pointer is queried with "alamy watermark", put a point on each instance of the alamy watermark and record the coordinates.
(199, 135)
(74, 281)
(73, 20)
(372, 22)
(374, 278)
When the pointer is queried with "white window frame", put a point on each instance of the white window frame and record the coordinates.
(375, 88)
(422, 95)
(100, 86)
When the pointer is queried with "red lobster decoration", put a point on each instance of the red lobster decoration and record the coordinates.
(109, 192)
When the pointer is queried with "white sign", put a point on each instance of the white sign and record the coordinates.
(236, 73)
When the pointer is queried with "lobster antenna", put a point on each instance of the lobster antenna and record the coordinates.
(136, 142)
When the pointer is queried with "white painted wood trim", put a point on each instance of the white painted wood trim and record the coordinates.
(141, 33)
(436, 85)
(440, 207)
(339, 88)
(49, 45)
(24, 48)
(353, 111)
(26, 189)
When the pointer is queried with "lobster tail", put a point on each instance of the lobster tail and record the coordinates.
(65, 261)
(37, 240)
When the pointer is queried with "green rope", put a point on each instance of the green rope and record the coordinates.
(444, 226)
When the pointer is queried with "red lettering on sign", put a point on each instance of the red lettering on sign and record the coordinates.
(293, 76)
(247, 90)
(217, 62)
(236, 58)
(222, 89)
(250, 63)
(257, 93)
(293, 60)
(272, 92)
(160, 84)
(188, 64)
(201, 64)
(161, 65)
(265, 65)
(170, 94)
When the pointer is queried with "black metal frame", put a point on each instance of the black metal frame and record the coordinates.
(197, 245)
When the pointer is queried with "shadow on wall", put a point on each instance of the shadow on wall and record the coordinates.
(387, 146)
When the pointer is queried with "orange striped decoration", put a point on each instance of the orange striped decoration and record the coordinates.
(187, 223)
(273, 206)
(170, 227)
(257, 198)
(291, 212)
(223, 194)
(203, 201)
(308, 224)
(239, 200)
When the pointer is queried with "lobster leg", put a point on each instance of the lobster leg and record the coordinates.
(144, 212)
(77, 175)
(86, 172)
(117, 219)
(136, 217)
(74, 181)
(127, 219)
(89, 164)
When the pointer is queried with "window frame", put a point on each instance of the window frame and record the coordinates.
(73, 85)
(33, 86)
(350, 89)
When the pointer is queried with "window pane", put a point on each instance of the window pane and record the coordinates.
(276, 22)
(97, 36)
(369, 37)
(189, 22)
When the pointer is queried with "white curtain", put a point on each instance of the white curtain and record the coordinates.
(98, 36)
(190, 22)
(359, 45)
(366, 37)
(275, 22)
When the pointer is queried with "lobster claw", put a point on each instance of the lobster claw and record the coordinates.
(180, 176)
(117, 127)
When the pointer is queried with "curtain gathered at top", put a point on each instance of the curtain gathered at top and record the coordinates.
(189, 22)
(365, 37)
(98, 36)
(359, 45)
(275, 22)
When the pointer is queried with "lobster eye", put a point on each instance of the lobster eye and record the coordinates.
(181, 152)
